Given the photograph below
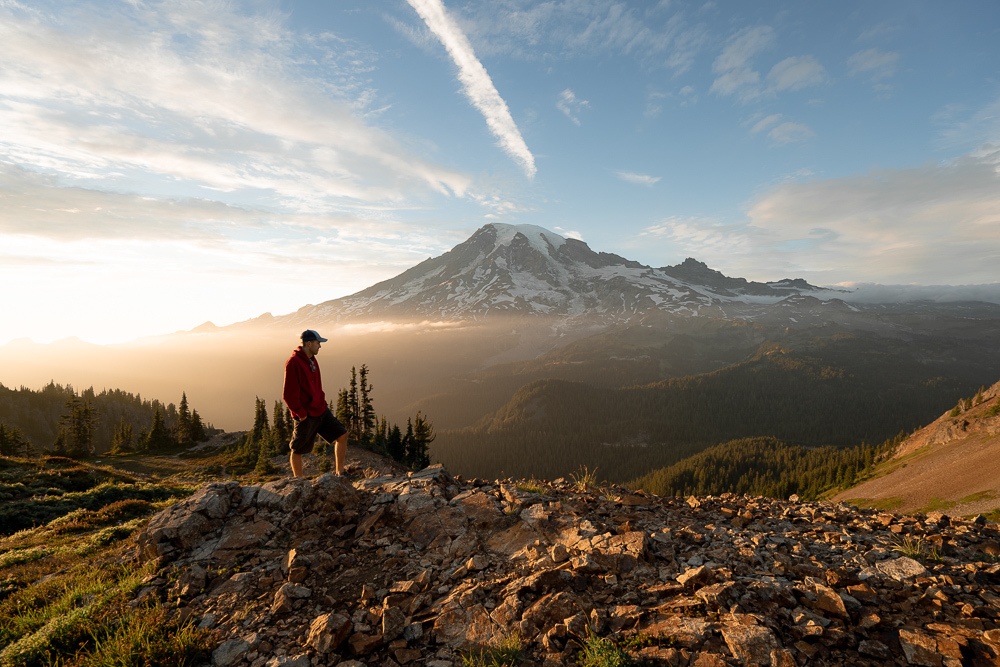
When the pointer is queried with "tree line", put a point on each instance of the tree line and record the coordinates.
(58, 420)
(768, 467)
(354, 407)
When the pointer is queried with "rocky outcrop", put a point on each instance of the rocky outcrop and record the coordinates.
(424, 568)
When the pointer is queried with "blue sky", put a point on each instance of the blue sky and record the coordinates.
(167, 163)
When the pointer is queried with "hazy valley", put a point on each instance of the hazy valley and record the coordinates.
(533, 354)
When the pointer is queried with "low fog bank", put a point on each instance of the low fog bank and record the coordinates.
(223, 371)
(870, 293)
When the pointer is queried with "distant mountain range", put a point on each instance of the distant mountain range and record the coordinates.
(508, 270)
(523, 270)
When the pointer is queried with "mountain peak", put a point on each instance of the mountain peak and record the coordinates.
(505, 269)
(540, 238)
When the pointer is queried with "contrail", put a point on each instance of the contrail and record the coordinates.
(476, 82)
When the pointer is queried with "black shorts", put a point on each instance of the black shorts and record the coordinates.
(304, 434)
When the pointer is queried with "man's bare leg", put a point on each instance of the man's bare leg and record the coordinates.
(340, 453)
(296, 462)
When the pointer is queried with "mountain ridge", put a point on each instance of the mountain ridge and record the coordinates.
(527, 270)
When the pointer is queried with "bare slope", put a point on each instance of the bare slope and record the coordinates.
(952, 465)
(425, 569)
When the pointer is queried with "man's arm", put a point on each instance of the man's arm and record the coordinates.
(291, 391)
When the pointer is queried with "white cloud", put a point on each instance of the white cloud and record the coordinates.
(735, 74)
(571, 105)
(796, 73)
(737, 77)
(878, 65)
(638, 179)
(782, 132)
(175, 95)
(516, 28)
(476, 82)
(926, 225)
(787, 133)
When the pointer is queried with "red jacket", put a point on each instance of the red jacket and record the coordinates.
(303, 388)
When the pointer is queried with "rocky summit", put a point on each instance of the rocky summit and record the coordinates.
(428, 569)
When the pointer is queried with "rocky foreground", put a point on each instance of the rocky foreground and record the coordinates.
(425, 569)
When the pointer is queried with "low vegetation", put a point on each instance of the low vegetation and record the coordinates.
(69, 579)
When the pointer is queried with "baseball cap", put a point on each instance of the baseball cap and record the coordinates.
(309, 335)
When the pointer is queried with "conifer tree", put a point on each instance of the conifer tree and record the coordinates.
(281, 430)
(122, 440)
(366, 410)
(76, 428)
(12, 442)
(344, 410)
(394, 444)
(408, 449)
(353, 403)
(423, 435)
(198, 432)
(184, 423)
(159, 437)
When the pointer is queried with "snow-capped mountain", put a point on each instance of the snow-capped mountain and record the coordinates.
(523, 269)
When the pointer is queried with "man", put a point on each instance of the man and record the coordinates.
(303, 394)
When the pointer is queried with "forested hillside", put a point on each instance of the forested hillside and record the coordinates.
(843, 391)
(766, 467)
(57, 418)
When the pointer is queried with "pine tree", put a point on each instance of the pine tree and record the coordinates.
(394, 444)
(344, 411)
(408, 443)
(281, 430)
(12, 442)
(184, 423)
(354, 408)
(366, 410)
(122, 440)
(198, 431)
(76, 428)
(159, 438)
(423, 435)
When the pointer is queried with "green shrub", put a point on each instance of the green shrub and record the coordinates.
(603, 652)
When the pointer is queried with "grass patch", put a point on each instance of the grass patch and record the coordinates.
(936, 505)
(584, 478)
(603, 652)
(531, 486)
(504, 652)
(989, 494)
(915, 548)
(66, 587)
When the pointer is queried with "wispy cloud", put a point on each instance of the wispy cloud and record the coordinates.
(476, 82)
(656, 35)
(638, 179)
(175, 96)
(878, 66)
(733, 67)
(796, 73)
(571, 105)
(873, 62)
(736, 75)
(782, 131)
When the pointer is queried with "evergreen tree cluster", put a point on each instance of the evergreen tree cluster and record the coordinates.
(767, 467)
(64, 422)
(355, 409)
(266, 438)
